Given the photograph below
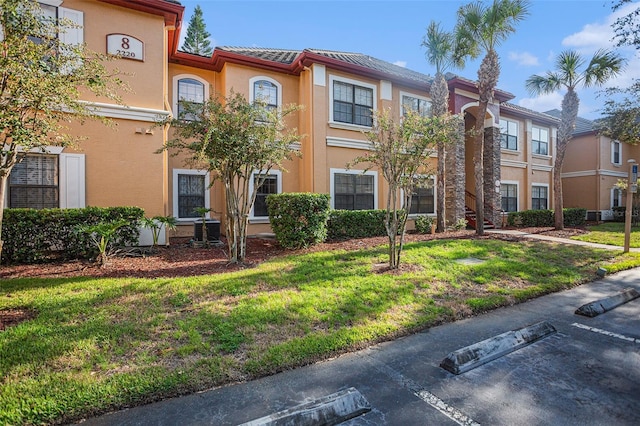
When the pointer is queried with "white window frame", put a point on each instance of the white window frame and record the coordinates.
(373, 173)
(517, 135)
(612, 197)
(207, 192)
(548, 141)
(615, 144)
(179, 77)
(278, 174)
(517, 184)
(252, 82)
(349, 126)
(435, 201)
(545, 185)
(413, 95)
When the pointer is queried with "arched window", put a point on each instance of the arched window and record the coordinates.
(189, 92)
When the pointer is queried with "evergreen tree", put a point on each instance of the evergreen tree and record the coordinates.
(197, 40)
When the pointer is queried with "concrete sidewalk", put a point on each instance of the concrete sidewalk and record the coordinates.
(543, 237)
(574, 377)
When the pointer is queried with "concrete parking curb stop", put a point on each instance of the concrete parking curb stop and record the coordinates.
(329, 410)
(601, 306)
(475, 355)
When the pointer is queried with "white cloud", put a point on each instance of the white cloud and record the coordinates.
(597, 35)
(524, 58)
(402, 64)
(543, 102)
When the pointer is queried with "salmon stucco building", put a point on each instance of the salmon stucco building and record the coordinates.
(339, 90)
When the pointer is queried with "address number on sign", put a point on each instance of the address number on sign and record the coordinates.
(125, 47)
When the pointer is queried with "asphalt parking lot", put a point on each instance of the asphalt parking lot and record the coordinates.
(587, 373)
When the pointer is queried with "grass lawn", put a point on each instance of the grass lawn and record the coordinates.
(100, 344)
(611, 233)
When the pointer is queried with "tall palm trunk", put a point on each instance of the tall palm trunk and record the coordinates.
(440, 96)
(4, 178)
(570, 105)
(488, 75)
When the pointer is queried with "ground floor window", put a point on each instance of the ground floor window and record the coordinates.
(33, 182)
(353, 191)
(423, 201)
(509, 196)
(539, 198)
(616, 197)
(270, 185)
(190, 191)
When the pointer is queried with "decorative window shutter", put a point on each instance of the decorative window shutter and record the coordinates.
(72, 181)
(72, 35)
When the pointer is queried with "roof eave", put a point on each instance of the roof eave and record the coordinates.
(500, 95)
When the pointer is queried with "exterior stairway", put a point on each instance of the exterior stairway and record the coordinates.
(470, 213)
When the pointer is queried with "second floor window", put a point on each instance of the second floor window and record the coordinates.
(421, 106)
(190, 92)
(540, 140)
(616, 153)
(352, 104)
(266, 92)
(508, 134)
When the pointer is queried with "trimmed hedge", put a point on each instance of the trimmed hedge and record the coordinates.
(346, 224)
(298, 219)
(545, 218)
(35, 236)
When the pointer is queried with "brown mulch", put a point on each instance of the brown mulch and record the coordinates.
(180, 260)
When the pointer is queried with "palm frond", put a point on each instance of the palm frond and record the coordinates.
(440, 47)
(604, 65)
(539, 85)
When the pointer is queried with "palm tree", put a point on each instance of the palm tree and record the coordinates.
(481, 28)
(440, 48)
(569, 75)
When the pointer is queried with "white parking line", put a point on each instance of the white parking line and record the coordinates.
(449, 411)
(606, 333)
(453, 413)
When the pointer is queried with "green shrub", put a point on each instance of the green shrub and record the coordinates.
(298, 219)
(574, 216)
(545, 218)
(424, 224)
(345, 224)
(536, 218)
(33, 236)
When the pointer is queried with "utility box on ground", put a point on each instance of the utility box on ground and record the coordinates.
(213, 230)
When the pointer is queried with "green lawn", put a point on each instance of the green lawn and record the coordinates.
(102, 344)
(611, 233)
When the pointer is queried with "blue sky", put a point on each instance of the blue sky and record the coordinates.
(393, 31)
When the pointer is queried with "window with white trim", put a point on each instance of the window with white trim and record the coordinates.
(508, 134)
(352, 103)
(616, 197)
(616, 153)
(272, 184)
(540, 140)
(353, 190)
(190, 191)
(423, 200)
(418, 104)
(190, 95)
(33, 182)
(509, 197)
(539, 197)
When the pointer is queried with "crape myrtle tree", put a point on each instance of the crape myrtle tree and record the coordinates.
(232, 138)
(570, 73)
(440, 48)
(41, 82)
(197, 38)
(400, 149)
(480, 28)
(627, 26)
